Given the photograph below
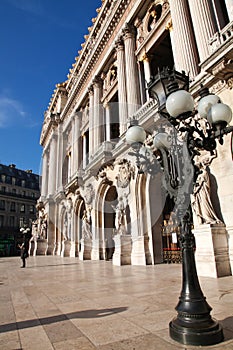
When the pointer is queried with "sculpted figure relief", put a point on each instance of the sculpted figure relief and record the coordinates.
(120, 216)
(86, 226)
(201, 199)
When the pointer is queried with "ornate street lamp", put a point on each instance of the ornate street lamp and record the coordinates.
(181, 135)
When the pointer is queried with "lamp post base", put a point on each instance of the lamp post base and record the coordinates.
(196, 333)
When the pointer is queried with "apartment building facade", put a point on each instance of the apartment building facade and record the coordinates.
(19, 192)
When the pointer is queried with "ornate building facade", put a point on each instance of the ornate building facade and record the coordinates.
(94, 203)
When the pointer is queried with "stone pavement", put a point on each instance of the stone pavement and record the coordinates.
(63, 303)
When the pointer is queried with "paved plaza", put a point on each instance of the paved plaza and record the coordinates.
(63, 303)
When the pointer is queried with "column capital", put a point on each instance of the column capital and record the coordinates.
(76, 114)
(119, 45)
(169, 26)
(129, 31)
(97, 81)
(106, 104)
(145, 57)
(90, 90)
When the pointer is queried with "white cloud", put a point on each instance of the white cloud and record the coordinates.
(31, 6)
(11, 111)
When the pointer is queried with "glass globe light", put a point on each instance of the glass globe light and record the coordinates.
(179, 102)
(206, 103)
(219, 113)
(162, 140)
(135, 134)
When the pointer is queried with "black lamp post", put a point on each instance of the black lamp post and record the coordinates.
(181, 135)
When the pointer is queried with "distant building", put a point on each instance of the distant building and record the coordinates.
(91, 189)
(19, 191)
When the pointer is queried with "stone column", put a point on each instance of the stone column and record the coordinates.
(75, 141)
(98, 122)
(186, 57)
(147, 72)
(229, 6)
(52, 165)
(107, 122)
(132, 77)
(60, 158)
(44, 185)
(204, 25)
(84, 151)
(122, 93)
(91, 121)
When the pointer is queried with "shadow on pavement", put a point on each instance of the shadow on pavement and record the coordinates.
(92, 313)
(227, 325)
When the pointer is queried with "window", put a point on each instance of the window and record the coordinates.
(14, 191)
(12, 221)
(2, 204)
(23, 183)
(1, 220)
(8, 179)
(13, 180)
(3, 189)
(3, 178)
(21, 222)
(12, 206)
(32, 209)
(22, 208)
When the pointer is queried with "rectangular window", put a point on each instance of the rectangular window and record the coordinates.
(21, 222)
(31, 209)
(12, 207)
(22, 208)
(12, 221)
(1, 220)
(2, 204)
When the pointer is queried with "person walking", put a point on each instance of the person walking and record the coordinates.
(23, 254)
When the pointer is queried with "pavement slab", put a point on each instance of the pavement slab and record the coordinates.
(66, 304)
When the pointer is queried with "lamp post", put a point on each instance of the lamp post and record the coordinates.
(182, 134)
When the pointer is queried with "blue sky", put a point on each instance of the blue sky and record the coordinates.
(39, 40)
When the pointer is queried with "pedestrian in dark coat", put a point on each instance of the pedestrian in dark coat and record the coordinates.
(23, 254)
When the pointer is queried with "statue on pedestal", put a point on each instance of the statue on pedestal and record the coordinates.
(201, 199)
(86, 226)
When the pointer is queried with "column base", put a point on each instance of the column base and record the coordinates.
(122, 253)
(86, 249)
(42, 246)
(51, 248)
(95, 249)
(65, 251)
(72, 249)
(212, 254)
(138, 256)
